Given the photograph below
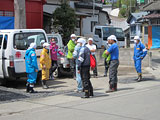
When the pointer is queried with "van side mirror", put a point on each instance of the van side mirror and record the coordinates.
(96, 38)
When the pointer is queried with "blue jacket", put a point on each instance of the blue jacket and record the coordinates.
(31, 61)
(76, 53)
(84, 57)
(139, 51)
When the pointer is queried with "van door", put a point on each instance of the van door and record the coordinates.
(1, 56)
(98, 37)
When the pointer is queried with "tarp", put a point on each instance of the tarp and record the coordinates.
(155, 37)
(6, 22)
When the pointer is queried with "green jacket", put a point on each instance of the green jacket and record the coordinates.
(108, 57)
(71, 45)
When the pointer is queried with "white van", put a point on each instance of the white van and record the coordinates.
(13, 45)
(101, 33)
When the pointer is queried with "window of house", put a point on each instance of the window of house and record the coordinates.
(133, 30)
(78, 24)
(146, 30)
(93, 23)
(7, 13)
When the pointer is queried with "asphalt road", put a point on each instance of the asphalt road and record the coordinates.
(139, 102)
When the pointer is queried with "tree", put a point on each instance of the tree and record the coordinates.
(128, 6)
(65, 20)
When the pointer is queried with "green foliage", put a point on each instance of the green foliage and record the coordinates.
(125, 7)
(65, 20)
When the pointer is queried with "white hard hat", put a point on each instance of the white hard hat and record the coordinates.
(137, 38)
(46, 44)
(81, 40)
(43, 41)
(112, 37)
(32, 46)
(90, 39)
(73, 35)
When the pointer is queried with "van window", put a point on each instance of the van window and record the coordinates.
(98, 32)
(107, 31)
(55, 38)
(5, 41)
(23, 40)
(1, 38)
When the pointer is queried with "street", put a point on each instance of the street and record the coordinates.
(132, 101)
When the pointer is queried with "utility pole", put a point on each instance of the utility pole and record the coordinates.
(130, 7)
(20, 14)
(93, 7)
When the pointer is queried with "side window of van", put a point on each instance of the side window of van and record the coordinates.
(5, 42)
(98, 32)
(1, 37)
(23, 40)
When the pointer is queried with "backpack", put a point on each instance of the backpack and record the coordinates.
(92, 62)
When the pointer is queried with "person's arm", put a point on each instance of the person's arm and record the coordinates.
(34, 61)
(144, 51)
(42, 57)
(75, 53)
(80, 59)
(94, 49)
(110, 49)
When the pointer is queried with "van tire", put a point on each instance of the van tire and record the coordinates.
(3, 81)
(57, 73)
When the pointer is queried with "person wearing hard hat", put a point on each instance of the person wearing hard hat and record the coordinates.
(92, 48)
(42, 42)
(84, 69)
(139, 53)
(113, 50)
(76, 56)
(71, 45)
(54, 50)
(45, 64)
(31, 67)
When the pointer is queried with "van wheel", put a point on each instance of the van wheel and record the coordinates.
(57, 73)
(3, 81)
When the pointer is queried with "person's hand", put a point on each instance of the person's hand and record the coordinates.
(78, 71)
(141, 57)
(36, 70)
(44, 67)
(63, 54)
(72, 58)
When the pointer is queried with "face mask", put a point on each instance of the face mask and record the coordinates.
(78, 44)
(73, 40)
(109, 45)
(135, 41)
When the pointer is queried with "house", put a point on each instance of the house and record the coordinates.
(34, 14)
(153, 21)
(135, 23)
(87, 17)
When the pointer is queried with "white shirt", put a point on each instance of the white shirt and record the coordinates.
(91, 47)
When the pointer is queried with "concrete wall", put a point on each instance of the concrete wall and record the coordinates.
(125, 57)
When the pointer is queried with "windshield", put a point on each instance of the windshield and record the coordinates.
(23, 40)
(107, 31)
(55, 39)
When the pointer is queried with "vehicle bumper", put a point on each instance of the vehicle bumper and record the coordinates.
(12, 74)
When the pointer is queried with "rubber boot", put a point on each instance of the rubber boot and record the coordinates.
(139, 77)
(115, 86)
(111, 88)
(91, 93)
(86, 94)
(31, 89)
(27, 87)
(44, 84)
